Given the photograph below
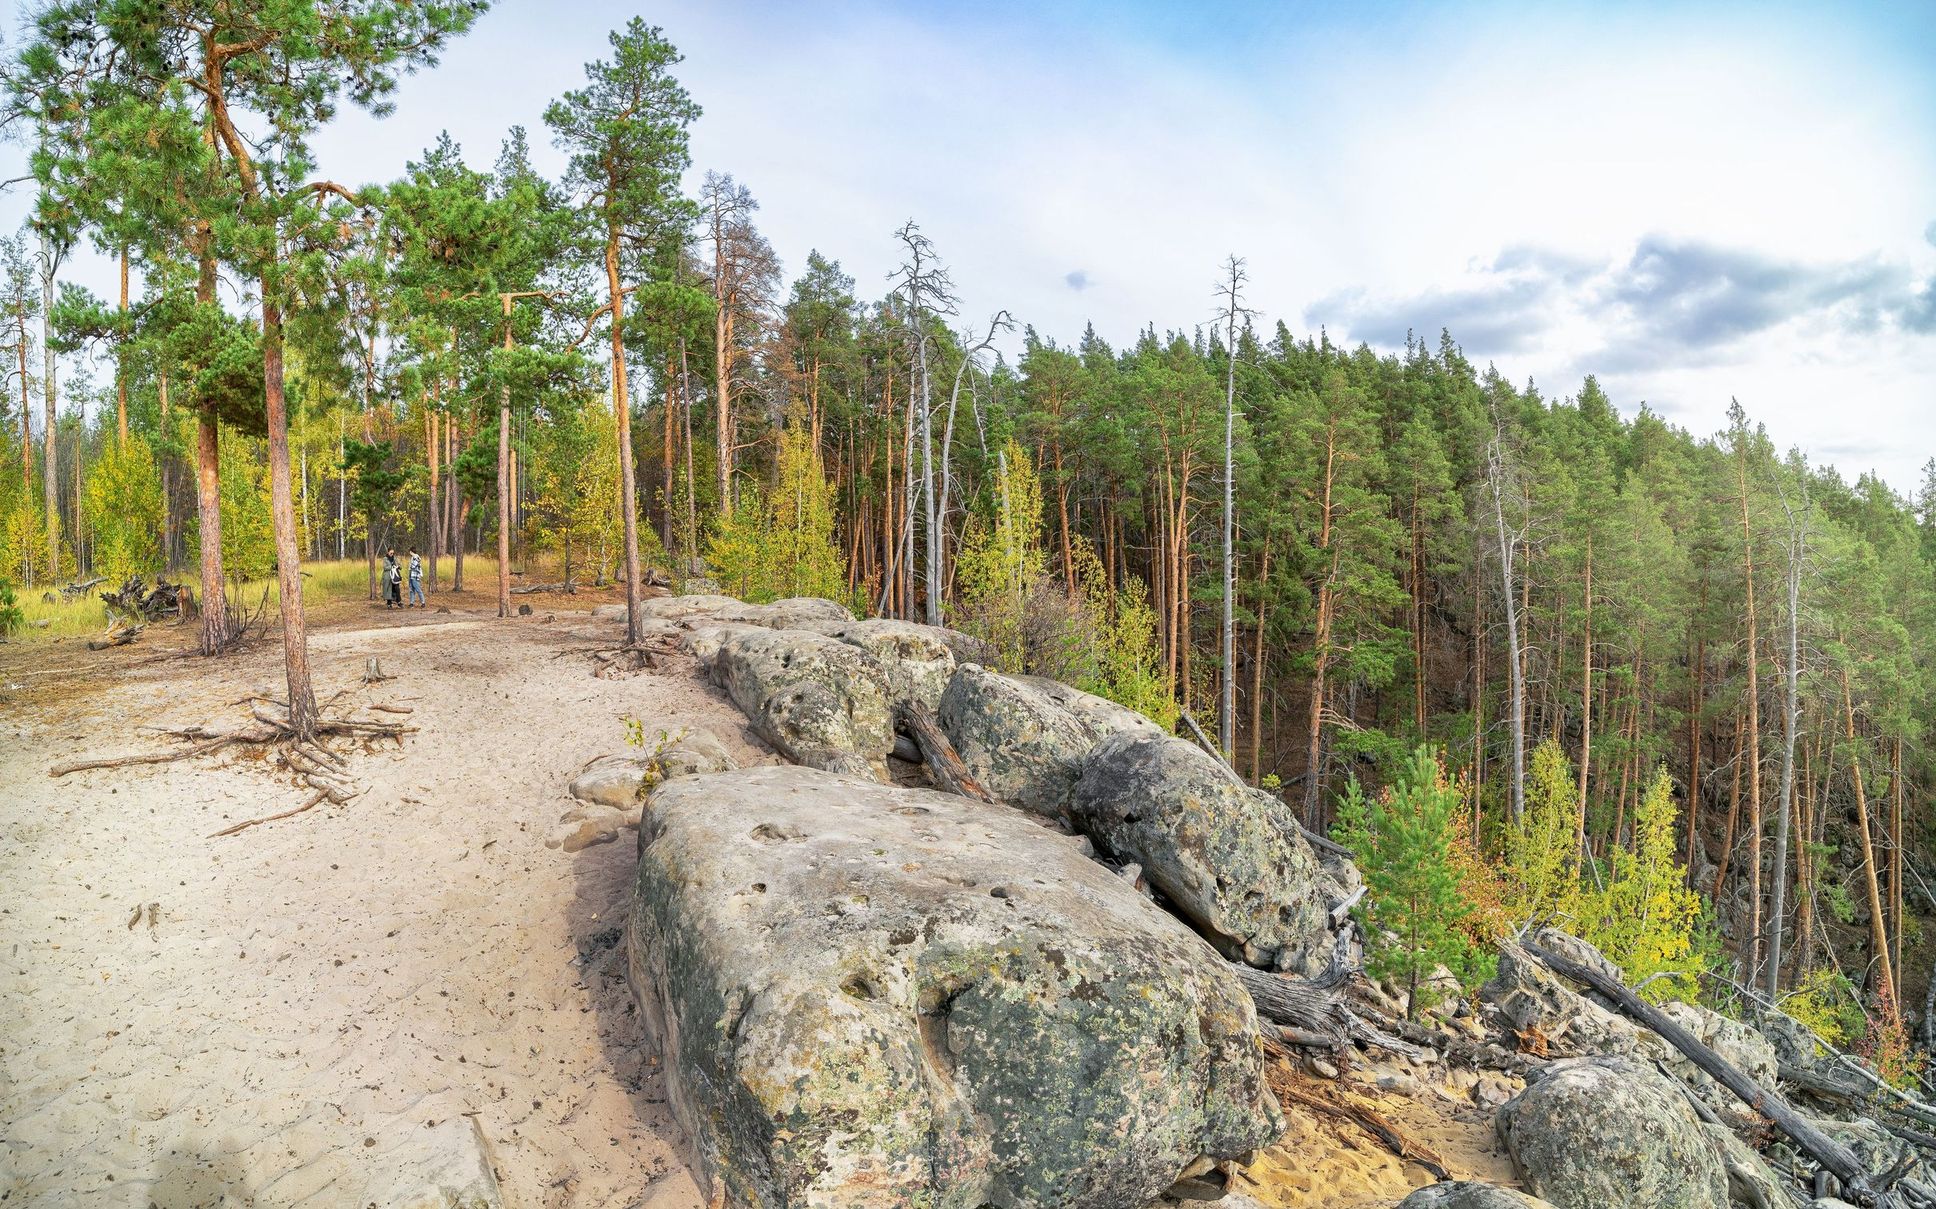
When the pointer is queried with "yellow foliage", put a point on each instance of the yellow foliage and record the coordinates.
(782, 543)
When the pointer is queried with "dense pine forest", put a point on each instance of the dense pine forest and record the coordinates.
(1321, 557)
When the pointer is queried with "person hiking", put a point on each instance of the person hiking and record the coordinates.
(416, 580)
(392, 581)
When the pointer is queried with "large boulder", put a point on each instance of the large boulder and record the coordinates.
(1738, 1044)
(874, 996)
(819, 701)
(1470, 1194)
(1226, 856)
(1549, 1018)
(1597, 1132)
(1024, 737)
(919, 659)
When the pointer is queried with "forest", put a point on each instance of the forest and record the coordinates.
(1658, 675)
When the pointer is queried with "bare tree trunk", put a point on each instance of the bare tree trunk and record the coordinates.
(1752, 950)
(1227, 712)
(295, 641)
(1257, 668)
(1321, 639)
(1496, 467)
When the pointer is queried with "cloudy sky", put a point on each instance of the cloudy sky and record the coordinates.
(1693, 202)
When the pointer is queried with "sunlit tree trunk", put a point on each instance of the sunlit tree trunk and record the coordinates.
(1879, 949)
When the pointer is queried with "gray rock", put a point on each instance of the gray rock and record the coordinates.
(868, 995)
(683, 608)
(794, 612)
(919, 659)
(1738, 1044)
(1599, 1132)
(621, 781)
(1024, 737)
(1751, 1181)
(1529, 999)
(1470, 1194)
(1099, 715)
(1220, 852)
(817, 700)
(703, 641)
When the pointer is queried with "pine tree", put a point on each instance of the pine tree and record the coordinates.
(1413, 904)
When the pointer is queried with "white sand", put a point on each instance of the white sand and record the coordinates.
(313, 992)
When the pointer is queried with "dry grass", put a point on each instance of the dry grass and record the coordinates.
(323, 582)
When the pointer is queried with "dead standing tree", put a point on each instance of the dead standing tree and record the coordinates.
(1502, 482)
(1231, 290)
(929, 290)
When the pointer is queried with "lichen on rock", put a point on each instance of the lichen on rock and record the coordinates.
(879, 996)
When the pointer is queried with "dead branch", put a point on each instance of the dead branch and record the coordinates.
(944, 764)
(308, 803)
(1334, 1104)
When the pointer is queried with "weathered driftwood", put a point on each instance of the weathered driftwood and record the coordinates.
(139, 601)
(1316, 1009)
(944, 764)
(1841, 1162)
(83, 587)
(118, 633)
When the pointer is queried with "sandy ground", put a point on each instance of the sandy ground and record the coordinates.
(291, 1015)
(268, 1018)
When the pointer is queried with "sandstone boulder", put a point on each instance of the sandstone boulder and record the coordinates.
(1550, 1018)
(621, 781)
(1738, 1044)
(1024, 737)
(609, 793)
(1227, 857)
(874, 996)
(919, 659)
(1605, 1131)
(819, 701)
(1470, 1194)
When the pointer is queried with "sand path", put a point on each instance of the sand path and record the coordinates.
(306, 1003)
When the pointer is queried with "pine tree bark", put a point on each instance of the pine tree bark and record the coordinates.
(303, 714)
(504, 479)
(1586, 703)
(622, 410)
(49, 464)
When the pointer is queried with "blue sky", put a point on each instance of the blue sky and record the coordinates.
(1695, 202)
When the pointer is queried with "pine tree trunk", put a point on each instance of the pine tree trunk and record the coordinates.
(504, 482)
(295, 639)
(49, 465)
(1586, 702)
(622, 410)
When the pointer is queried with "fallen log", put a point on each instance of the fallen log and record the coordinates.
(569, 587)
(81, 588)
(943, 763)
(1316, 1006)
(1831, 1155)
(118, 634)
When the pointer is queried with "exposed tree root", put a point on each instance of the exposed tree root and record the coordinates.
(315, 765)
(311, 801)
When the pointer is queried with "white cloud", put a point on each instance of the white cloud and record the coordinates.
(1351, 155)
